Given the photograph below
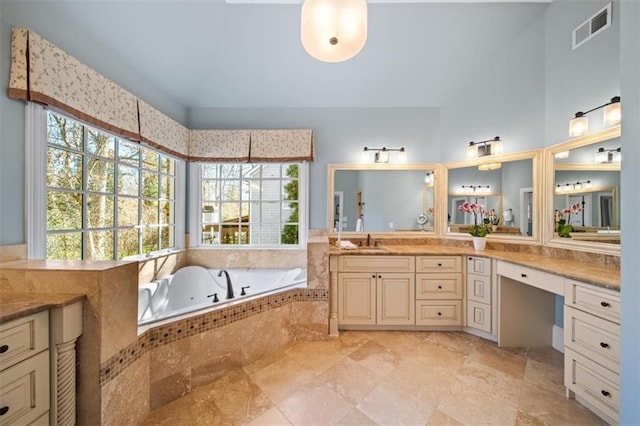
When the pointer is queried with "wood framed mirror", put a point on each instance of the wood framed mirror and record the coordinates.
(584, 172)
(509, 189)
(391, 200)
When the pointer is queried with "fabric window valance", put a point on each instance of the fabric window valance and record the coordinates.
(162, 132)
(281, 145)
(44, 73)
(219, 145)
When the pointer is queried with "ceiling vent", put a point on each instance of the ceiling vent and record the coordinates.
(592, 26)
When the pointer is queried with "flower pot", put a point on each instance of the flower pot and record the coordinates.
(494, 228)
(479, 243)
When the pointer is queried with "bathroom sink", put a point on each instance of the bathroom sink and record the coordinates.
(372, 248)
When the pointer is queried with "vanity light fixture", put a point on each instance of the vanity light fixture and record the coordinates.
(604, 156)
(484, 148)
(489, 166)
(428, 178)
(569, 187)
(476, 188)
(333, 30)
(382, 154)
(612, 115)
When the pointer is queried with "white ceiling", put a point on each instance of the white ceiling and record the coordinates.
(207, 53)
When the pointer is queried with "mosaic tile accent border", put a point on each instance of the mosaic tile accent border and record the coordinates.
(168, 333)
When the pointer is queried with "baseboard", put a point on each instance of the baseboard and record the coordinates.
(558, 338)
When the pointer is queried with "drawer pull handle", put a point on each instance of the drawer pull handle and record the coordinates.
(4, 348)
(604, 345)
(4, 410)
(605, 304)
(523, 275)
(605, 393)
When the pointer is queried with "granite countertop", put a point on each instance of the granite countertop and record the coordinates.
(16, 305)
(599, 275)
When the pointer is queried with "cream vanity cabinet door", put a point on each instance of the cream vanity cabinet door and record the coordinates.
(357, 298)
(592, 347)
(479, 293)
(395, 299)
(376, 290)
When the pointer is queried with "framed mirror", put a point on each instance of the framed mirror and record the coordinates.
(384, 198)
(583, 192)
(507, 186)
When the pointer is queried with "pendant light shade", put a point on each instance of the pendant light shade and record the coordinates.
(612, 113)
(579, 125)
(334, 30)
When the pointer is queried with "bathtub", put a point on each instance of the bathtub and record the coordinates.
(194, 288)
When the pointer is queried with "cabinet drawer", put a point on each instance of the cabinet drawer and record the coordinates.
(533, 277)
(23, 337)
(593, 337)
(376, 264)
(601, 302)
(438, 286)
(438, 264)
(479, 288)
(438, 312)
(479, 316)
(24, 392)
(479, 266)
(595, 384)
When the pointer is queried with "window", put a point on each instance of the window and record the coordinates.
(106, 198)
(249, 204)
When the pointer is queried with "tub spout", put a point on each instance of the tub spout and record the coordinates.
(229, 285)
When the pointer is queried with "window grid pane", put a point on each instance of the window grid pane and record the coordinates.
(249, 204)
(107, 198)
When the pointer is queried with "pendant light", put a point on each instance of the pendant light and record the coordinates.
(333, 30)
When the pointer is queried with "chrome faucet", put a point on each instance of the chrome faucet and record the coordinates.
(368, 240)
(229, 285)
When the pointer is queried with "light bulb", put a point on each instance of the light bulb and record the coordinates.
(612, 113)
(579, 125)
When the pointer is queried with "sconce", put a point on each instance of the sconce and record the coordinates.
(612, 114)
(484, 148)
(476, 188)
(608, 156)
(428, 178)
(382, 154)
(568, 187)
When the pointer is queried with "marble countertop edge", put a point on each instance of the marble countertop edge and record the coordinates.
(14, 305)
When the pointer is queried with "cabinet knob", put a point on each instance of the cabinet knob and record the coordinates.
(604, 345)
(379, 276)
(4, 410)
(373, 276)
(605, 304)
(439, 313)
(605, 393)
(439, 287)
(523, 275)
(4, 348)
(470, 259)
(439, 264)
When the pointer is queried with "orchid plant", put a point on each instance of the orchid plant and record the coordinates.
(479, 228)
(563, 226)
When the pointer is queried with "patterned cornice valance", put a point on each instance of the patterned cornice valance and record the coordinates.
(44, 73)
(162, 132)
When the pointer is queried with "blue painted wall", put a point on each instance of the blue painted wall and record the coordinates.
(630, 85)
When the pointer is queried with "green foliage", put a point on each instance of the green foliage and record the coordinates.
(563, 229)
(290, 234)
(479, 230)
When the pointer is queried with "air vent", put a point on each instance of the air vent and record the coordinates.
(592, 26)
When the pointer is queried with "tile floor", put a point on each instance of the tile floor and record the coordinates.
(387, 378)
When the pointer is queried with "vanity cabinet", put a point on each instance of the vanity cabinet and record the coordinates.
(38, 366)
(24, 370)
(479, 293)
(592, 347)
(439, 290)
(376, 290)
